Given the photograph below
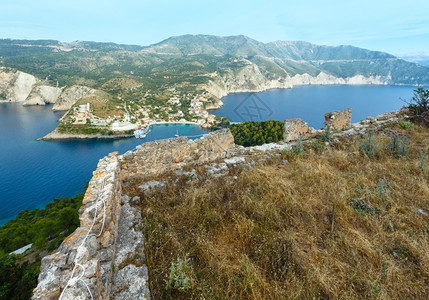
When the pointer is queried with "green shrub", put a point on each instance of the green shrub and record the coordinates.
(299, 147)
(178, 279)
(423, 157)
(398, 144)
(318, 145)
(381, 189)
(419, 104)
(326, 135)
(406, 125)
(363, 207)
(368, 146)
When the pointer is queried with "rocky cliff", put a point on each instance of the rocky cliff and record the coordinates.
(70, 95)
(43, 94)
(17, 86)
(252, 79)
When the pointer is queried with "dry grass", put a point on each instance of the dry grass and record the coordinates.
(103, 104)
(291, 232)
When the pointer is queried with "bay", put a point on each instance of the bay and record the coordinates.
(32, 173)
(310, 103)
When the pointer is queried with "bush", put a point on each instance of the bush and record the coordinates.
(178, 279)
(398, 144)
(423, 157)
(363, 207)
(381, 189)
(419, 105)
(299, 147)
(326, 134)
(406, 125)
(368, 146)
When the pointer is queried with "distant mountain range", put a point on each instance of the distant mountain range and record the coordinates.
(421, 58)
(222, 64)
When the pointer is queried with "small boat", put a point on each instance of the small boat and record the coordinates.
(177, 133)
(141, 133)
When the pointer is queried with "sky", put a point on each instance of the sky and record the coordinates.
(396, 27)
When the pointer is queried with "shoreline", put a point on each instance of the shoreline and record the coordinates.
(54, 135)
(229, 93)
(175, 122)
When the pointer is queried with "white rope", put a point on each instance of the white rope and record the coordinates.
(74, 279)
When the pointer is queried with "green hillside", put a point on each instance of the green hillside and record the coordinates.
(186, 57)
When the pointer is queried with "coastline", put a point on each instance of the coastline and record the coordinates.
(55, 135)
(174, 122)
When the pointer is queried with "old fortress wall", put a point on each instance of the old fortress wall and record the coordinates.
(104, 257)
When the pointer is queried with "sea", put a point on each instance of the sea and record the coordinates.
(310, 103)
(32, 173)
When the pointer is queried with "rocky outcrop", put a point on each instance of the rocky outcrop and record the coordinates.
(252, 79)
(293, 128)
(339, 120)
(248, 79)
(43, 94)
(15, 85)
(70, 95)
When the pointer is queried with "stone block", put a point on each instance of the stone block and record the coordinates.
(293, 128)
(339, 120)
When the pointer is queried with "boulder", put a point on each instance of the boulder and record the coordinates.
(339, 120)
(293, 128)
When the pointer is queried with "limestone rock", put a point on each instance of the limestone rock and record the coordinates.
(15, 85)
(131, 283)
(152, 185)
(43, 94)
(339, 120)
(216, 170)
(386, 116)
(235, 160)
(293, 128)
(70, 95)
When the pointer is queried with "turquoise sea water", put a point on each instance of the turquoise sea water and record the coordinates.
(32, 173)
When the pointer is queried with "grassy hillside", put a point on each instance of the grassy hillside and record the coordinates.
(329, 224)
